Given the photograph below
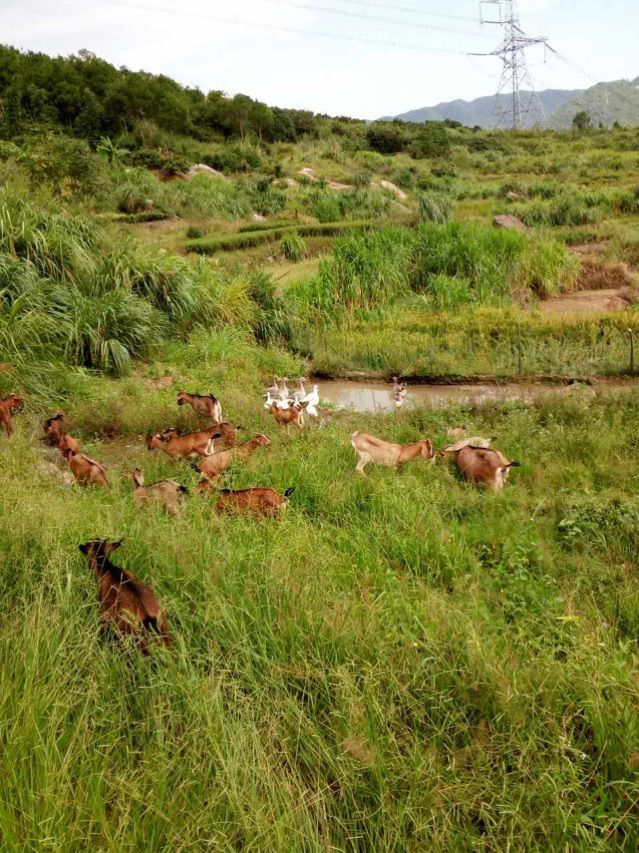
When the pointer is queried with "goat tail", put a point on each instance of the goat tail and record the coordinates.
(289, 492)
(513, 464)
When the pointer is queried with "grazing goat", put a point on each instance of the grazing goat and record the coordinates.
(265, 502)
(483, 465)
(56, 437)
(456, 432)
(448, 452)
(205, 404)
(128, 606)
(7, 405)
(371, 449)
(86, 471)
(165, 492)
(52, 429)
(215, 464)
(286, 417)
(182, 446)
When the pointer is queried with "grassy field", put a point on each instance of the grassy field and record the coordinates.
(401, 663)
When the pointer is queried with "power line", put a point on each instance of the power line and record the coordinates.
(313, 7)
(411, 10)
(167, 10)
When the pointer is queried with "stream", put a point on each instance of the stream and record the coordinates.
(378, 397)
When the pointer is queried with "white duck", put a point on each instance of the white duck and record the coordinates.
(299, 393)
(270, 401)
(312, 401)
(400, 390)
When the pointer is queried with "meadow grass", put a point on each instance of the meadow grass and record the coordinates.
(401, 663)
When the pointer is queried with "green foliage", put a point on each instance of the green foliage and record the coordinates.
(434, 207)
(386, 138)
(293, 247)
(581, 121)
(433, 141)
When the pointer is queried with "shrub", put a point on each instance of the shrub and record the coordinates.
(386, 138)
(325, 206)
(293, 247)
(434, 207)
(432, 141)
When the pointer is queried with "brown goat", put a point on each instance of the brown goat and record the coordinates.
(372, 449)
(165, 492)
(205, 404)
(56, 437)
(128, 606)
(85, 470)
(286, 417)
(52, 429)
(215, 464)
(483, 465)
(264, 502)
(183, 446)
(7, 406)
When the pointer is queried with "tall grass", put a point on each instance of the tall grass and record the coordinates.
(356, 676)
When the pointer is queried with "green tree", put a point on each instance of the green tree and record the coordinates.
(386, 138)
(12, 113)
(432, 141)
(88, 124)
(582, 121)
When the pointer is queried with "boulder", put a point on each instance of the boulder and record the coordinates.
(511, 196)
(257, 217)
(202, 168)
(509, 222)
(389, 185)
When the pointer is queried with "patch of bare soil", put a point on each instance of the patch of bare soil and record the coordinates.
(589, 249)
(589, 302)
(599, 275)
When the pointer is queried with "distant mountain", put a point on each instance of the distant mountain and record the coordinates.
(617, 101)
(480, 112)
(604, 102)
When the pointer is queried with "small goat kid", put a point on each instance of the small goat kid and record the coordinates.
(483, 465)
(165, 492)
(56, 437)
(7, 406)
(379, 452)
(205, 404)
(85, 470)
(128, 606)
(286, 417)
(216, 463)
(260, 501)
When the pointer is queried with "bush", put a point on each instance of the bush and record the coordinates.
(386, 138)
(293, 247)
(236, 157)
(434, 207)
(433, 141)
(325, 206)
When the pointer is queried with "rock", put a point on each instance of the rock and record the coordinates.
(308, 173)
(389, 185)
(257, 217)
(202, 168)
(511, 196)
(149, 204)
(509, 222)
(335, 185)
(291, 182)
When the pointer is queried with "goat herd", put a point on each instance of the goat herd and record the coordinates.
(132, 609)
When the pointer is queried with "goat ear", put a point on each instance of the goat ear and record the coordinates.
(115, 545)
(83, 548)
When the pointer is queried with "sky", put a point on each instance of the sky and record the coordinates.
(362, 58)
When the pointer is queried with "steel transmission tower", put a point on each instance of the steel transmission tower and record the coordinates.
(524, 104)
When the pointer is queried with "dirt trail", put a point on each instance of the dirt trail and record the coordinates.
(602, 287)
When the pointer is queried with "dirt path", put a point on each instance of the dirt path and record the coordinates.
(584, 302)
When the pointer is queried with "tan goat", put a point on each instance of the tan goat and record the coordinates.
(85, 470)
(183, 446)
(286, 417)
(128, 606)
(260, 501)
(214, 465)
(7, 406)
(379, 452)
(483, 465)
(165, 492)
(56, 437)
(205, 404)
